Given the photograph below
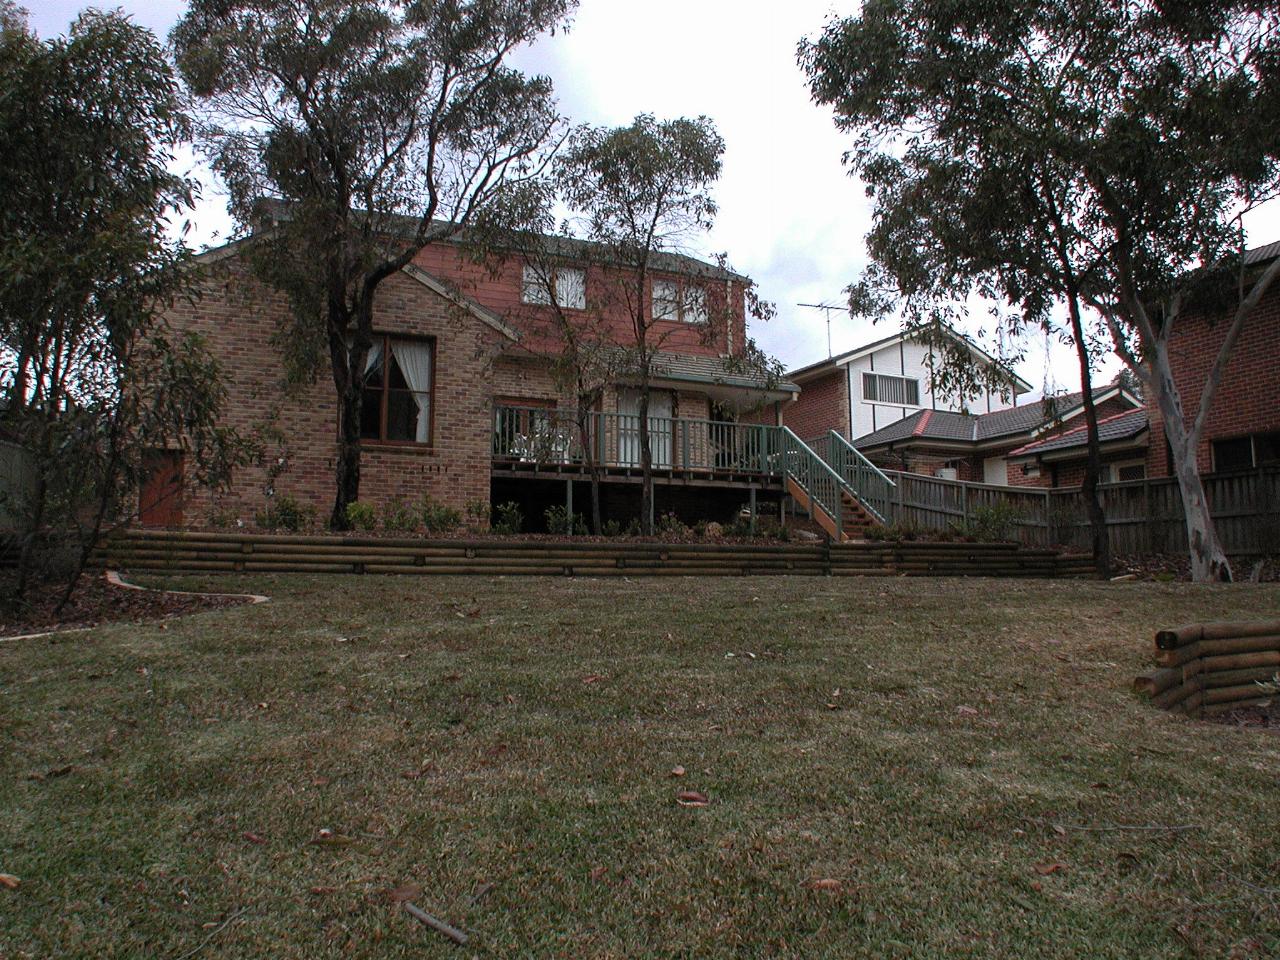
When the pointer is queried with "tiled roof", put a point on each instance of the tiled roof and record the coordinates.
(974, 428)
(1122, 426)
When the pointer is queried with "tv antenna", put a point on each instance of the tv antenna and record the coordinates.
(827, 308)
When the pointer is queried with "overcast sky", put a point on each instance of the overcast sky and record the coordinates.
(790, 216)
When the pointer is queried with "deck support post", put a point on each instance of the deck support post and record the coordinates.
(751, 497)
(568, 502)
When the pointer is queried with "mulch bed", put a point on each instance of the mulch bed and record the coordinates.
(1169, 569)
(95, 602)
(1253, 718)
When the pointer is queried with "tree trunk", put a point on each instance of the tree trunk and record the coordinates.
(348, 374)
(1208, 560)
(646, 461)
(1093, 462)
(589, 456)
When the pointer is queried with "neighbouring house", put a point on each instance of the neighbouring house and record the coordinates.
(1058, 459)
(868, 389)
(1242, 430)
(981, 448)
(460, 402)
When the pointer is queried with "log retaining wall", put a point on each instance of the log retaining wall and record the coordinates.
(166, 551)
(1210, 668)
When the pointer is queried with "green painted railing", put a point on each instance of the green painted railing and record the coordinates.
(823, 485)
(544, 435)
(867, 482)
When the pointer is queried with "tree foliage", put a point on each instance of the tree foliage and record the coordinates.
(93, 379)
(382, 126)
(1083, 153)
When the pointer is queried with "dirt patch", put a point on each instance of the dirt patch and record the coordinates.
(94, 602)
(1168, 569)
(1253, 718)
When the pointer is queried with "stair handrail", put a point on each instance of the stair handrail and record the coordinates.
(813, 475)
(869, 484)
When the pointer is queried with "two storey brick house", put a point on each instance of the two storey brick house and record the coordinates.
(460, 400)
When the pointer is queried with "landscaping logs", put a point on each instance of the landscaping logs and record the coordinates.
(1208, 668)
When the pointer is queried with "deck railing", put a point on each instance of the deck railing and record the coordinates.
(823, 485)
(868, 482)
(551, 437)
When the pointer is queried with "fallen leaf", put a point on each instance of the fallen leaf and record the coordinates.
(826, 883)
(253, 837)
(598, 873)
(411, 774)
(405, 893)
(594, 678)
(1059, 829)
(324, 890)
(677, 771)
(1044, 869)
(967, 711)
(692, 798)
(9, 881)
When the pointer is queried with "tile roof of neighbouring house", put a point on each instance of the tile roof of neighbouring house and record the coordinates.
(975, 428)
(1122, 426)
(1262, 254)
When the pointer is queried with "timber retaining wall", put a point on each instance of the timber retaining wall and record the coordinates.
(194, 552)
(1210, 668)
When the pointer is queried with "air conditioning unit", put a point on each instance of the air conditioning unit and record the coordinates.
(947, 473)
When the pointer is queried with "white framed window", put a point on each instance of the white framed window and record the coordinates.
(685, 303)
(569, 284)
(1031, 469)
(1128, 470)
(882, 388)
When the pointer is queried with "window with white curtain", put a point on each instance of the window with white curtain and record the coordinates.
(682, 302)
(569, 284)
(397, 390)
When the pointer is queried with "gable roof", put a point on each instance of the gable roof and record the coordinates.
(1113, 429)
(801, 374)
(1028, 419)
(481, 313)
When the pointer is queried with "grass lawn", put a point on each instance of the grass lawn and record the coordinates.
(960, 761)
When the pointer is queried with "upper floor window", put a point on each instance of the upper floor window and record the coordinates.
(569, 284)
(397, 390)
(882, 388)
(1244, 453)
(681, 302)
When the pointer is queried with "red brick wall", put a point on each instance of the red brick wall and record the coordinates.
(823, 405)
(1247, 400)
(298, 430)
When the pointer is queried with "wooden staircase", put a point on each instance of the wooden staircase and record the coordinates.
(854, 517)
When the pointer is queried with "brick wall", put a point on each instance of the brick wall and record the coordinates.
(823, 405)
(298, 429)
(1247, 400)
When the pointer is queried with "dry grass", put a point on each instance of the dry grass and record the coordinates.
(926, 744)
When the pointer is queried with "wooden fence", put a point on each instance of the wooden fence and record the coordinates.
(177, 551)
(1143, 516)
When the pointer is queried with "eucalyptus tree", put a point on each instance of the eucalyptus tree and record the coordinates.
(383, 126)
(636, 193)
(94, 380)
(1083, 152)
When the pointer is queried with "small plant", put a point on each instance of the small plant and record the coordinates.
(559, 521)
(361, 515)
(508, 519)
(400, 517)
(438, 518)
(672, 525)
(611, 528)
(220, 518)
(284, 513)
(993, 523)
(632, 529)
(478, 511)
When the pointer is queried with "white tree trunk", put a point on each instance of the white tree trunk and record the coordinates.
(1208, 560)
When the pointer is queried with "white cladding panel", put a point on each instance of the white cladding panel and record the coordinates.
(902, 360)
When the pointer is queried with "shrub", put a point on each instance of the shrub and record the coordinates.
(220, 518)
(284, 513)
(632, 528)
(361, 515)
(438, 518)
(611, 528)
(478, 510)
(508, 519)
(669, 523)
(990, 524)
(400, 517)
(559, 521)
